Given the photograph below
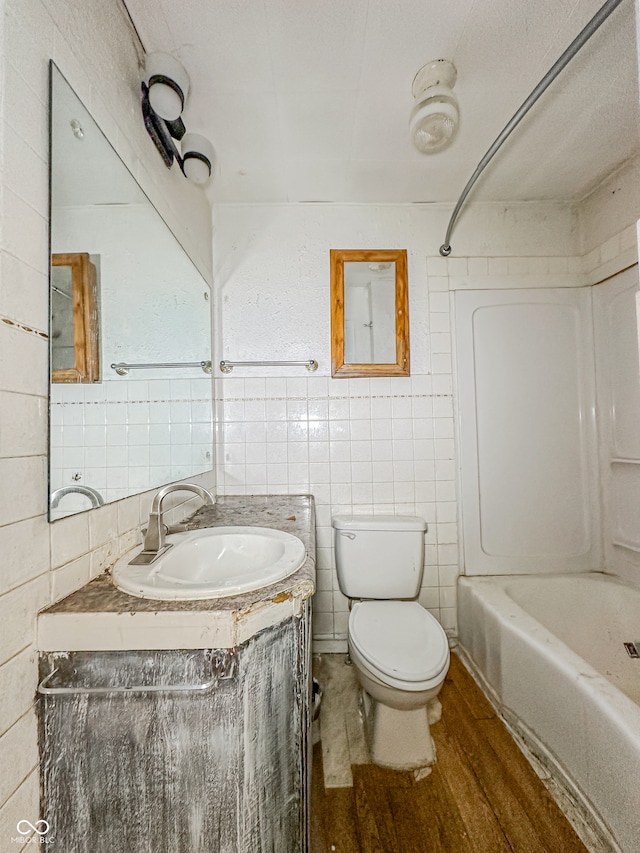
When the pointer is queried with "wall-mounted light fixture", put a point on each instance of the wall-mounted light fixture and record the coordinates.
(164, 94)
(434, 119)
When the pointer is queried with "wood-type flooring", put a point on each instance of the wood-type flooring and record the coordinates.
(482, 795)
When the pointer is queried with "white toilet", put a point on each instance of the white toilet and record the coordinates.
(400, 651)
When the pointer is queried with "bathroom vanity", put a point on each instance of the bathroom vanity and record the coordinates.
(182, 726)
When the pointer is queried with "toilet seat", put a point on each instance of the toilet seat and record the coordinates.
(402, 644)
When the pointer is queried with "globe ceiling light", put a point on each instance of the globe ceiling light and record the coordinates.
(164, 93)
(168, 84)
(198, 158)
(434, 118)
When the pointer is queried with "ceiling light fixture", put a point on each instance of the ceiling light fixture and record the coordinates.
(168, 84)
(434, 118)
(198, 158)
(164, 93)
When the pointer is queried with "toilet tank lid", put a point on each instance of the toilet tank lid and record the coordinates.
(379, 522)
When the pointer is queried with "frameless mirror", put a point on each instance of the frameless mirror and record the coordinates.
(369, 313)
(123, 292)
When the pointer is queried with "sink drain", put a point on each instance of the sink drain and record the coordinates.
(633, 649)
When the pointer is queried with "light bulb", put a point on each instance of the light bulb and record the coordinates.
(198, 158)
(434, 118)
(168, 85)
(434, 123)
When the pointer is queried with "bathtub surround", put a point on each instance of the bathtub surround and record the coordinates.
(615, 306)
(95, 48)
(529, 486)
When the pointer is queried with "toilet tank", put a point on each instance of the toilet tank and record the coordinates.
(379, 556)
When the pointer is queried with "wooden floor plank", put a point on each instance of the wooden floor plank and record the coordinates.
(479, 706)
(483, 828)
(333, 823)
(318, 807)
(415, 822)
(373, 808)
(342, 826)
(482, 795)
(493, 776)
(440, 812)
(544, 812)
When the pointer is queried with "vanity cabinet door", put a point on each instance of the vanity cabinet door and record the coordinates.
(275, 688)
(188, 771)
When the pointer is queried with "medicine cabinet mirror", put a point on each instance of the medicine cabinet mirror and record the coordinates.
(369, 313)
(123, 290)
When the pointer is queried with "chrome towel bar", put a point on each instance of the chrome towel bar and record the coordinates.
(136, 688)
(227, 366)
(122, 367)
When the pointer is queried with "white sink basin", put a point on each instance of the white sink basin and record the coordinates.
(213, 563)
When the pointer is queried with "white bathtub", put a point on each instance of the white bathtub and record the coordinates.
(550, 648)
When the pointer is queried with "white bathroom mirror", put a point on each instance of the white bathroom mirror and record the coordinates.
(116, 432)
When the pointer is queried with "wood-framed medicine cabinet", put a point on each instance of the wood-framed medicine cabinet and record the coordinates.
(74, 319)
(369, 313)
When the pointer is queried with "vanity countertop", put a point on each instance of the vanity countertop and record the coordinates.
(101, 617)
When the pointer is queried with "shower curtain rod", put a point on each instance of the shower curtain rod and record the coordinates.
(601, 15)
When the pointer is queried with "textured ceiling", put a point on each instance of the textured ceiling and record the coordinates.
(309, 100)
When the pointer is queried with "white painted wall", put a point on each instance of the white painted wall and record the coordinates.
(611, 208)
(93, 45)
(272, 265)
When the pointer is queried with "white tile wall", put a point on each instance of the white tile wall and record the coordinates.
(93, 45)
(358, 445)
(123, 437)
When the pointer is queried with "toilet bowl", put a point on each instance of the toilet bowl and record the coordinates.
(401, 656)
(399, 650)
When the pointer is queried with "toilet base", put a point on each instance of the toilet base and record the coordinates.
(400, 739)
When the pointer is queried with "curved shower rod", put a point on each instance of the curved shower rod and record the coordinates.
(581, 39)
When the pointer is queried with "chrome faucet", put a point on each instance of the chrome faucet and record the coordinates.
(154, 539)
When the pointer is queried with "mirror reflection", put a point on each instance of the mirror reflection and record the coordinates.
(122, 290)
(369, 313)
(74, 319)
